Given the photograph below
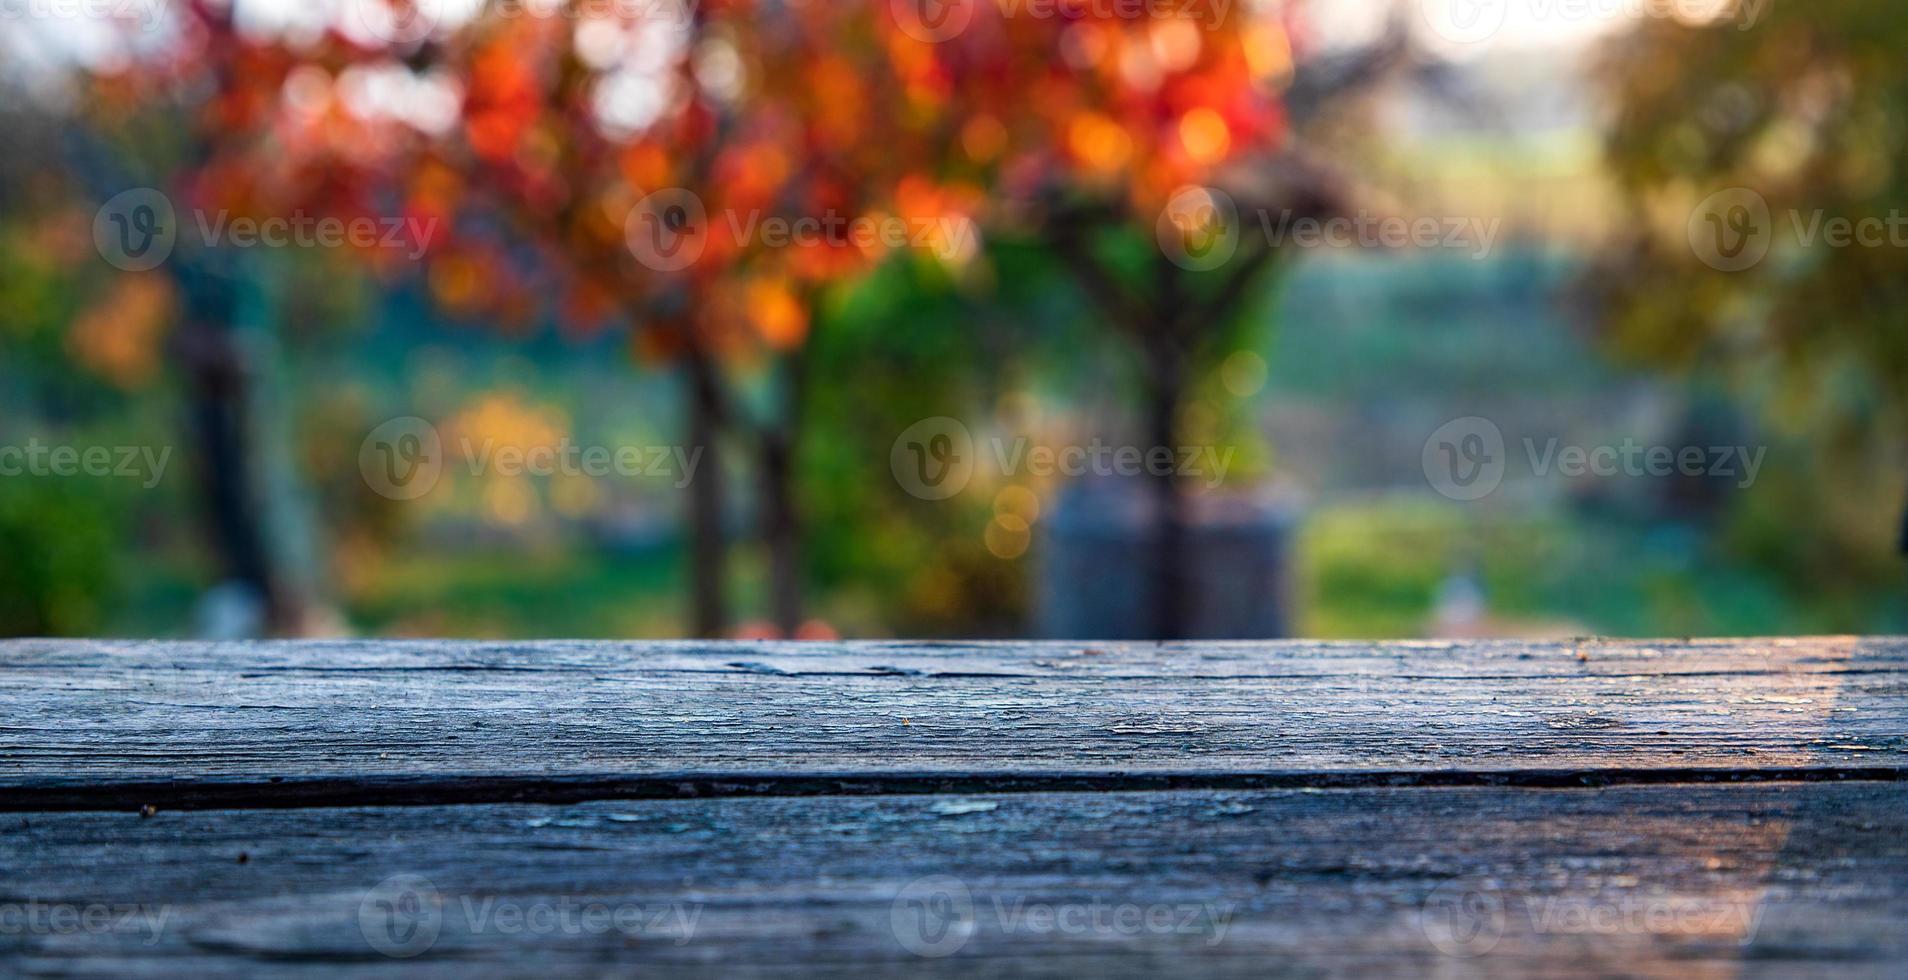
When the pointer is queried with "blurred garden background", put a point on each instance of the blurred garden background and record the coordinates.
(1106, 215)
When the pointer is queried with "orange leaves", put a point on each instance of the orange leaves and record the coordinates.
(752, 175)
(435, 191)
(503, 98)
(646, 166)
(983, 138)
(837, 88)
(1267, 49)
(1099, 143)
(119, 336)
(1205, 136)
(779, 317)
(1150, 96)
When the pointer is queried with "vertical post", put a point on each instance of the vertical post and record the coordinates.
(781, 533)
(1170, 573)
(218, 381)
(708, 538)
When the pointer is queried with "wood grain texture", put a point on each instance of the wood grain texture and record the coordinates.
(1690, 881)
(99, 725)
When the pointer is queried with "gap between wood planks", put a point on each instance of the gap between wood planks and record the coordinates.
(281, 794)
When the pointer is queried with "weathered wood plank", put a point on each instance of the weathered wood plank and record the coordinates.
(85, 724)
(1695, 881)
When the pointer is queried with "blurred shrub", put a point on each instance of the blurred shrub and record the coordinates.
(58, 540)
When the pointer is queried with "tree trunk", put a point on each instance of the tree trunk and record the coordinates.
(781, 516)
(218, 381)
(781, 532)
(1903, 544)
(1170, 573)
(708, 540)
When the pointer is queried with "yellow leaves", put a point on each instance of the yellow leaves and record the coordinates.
(1205, 135)
(119, 338)
(436, 190)
(457, 284)
(1098, 142)
(503, 419)
(1268, 53)
(835, 86)
(983, 138)
(777, 313)
(646, 166)
(1175, 43)
(753, 175)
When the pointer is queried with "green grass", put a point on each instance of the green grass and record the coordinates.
(1373, 569)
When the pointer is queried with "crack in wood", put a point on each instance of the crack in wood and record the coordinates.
(282, 794)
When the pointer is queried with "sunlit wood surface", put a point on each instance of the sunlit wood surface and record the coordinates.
(1713, 808)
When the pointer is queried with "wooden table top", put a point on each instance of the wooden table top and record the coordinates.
(1686, 808)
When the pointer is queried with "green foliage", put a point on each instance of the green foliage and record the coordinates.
(58, 555)
(1374, 569)
(1808, 109)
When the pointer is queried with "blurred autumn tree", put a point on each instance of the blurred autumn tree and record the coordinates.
(647, 150)
(1140, 145)
(1799, 118)
(1118, 139)
(211, 108)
